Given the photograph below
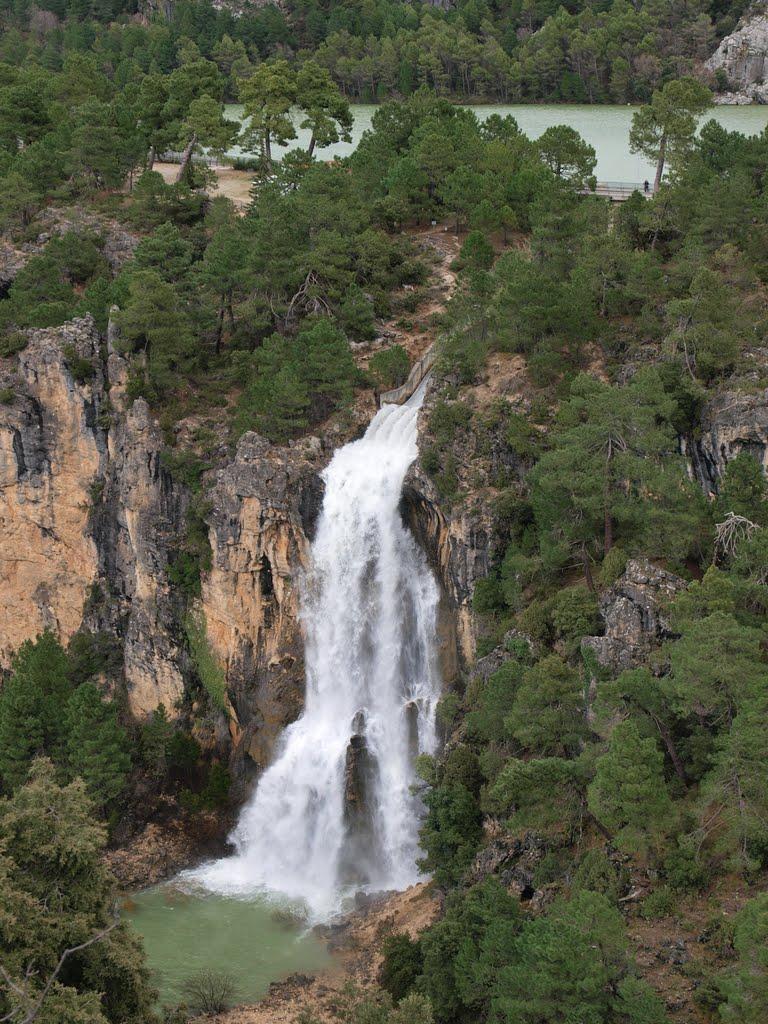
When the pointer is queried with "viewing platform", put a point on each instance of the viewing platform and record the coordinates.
(618, 191)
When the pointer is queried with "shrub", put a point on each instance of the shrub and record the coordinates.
(401, 966)
(12, 343)
(7, 396)
(209, 670)
(390, 367)
(598, 873)
(82, 369)
(614, 564)
(660, 903)
(210, 991)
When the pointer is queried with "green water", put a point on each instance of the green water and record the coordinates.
(255, 942)
(604, 127)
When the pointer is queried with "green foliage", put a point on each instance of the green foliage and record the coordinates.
(451, 831)
(31, 706)
(663, 131)
(82, 369)
(611, 475)
(547, 716)
(155, 325)
(566, 964)
(57, 894)
(567, 155)
(50, 707)
(629, 794)
(402, 964)
(492, 702)
(745, 988)
(96, 745)
(155, 739)
(292, 383)
(743, 490)
(389, 367)
(546, 793)
(463, 951)
(208, 669)
(597, 873)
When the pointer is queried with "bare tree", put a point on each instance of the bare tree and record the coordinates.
(730, 533)
(210, 991)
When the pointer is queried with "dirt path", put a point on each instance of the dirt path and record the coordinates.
(235, 185)
(415, 330)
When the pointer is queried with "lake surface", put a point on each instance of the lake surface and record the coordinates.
(604, 127)
(256, 942)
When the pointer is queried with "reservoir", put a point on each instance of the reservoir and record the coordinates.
(604, 127)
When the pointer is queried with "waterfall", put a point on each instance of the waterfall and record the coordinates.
(335, 810)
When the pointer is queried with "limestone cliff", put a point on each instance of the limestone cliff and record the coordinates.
(731, 422)
(52, 451)
(90, 519)
(741, 60)
(263, 509)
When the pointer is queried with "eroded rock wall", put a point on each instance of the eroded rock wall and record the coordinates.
(743, 58)
(264, 505)
(90, 518)
(52, 452)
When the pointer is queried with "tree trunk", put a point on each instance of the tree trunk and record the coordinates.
(660, 164)
(669, 743)
(151, 158)
(607, 517)
(268, 149)
(219, 330)
(587, 569)
(186, 159)
(312, 144)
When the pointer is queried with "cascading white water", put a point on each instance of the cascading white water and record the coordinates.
(369, 608)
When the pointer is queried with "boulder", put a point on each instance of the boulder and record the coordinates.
(634, 612)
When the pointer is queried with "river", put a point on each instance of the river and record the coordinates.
(604, 127)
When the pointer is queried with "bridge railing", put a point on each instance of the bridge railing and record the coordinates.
(618, 190)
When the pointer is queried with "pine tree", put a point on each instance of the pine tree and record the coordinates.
(629, 794)
(547, 716)
(31, 704)
(96, 745)
(746, 987)
(56, 893)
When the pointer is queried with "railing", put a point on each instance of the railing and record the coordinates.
(618, 191)
(172, 156)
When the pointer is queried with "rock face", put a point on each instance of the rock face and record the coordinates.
(731, 423)
(90, 519)
(86, 511)
(118, 243)
(458, 545)
(743, 57)
(51, 452)
(634, 615)
(264, 506)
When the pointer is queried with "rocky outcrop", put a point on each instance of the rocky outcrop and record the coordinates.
(52, 454)
(742, 59)
(117, 242)
(263, 509)
(634, 613)
(731, 422)
(91, 519)
(87, 512)
(458, 546)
